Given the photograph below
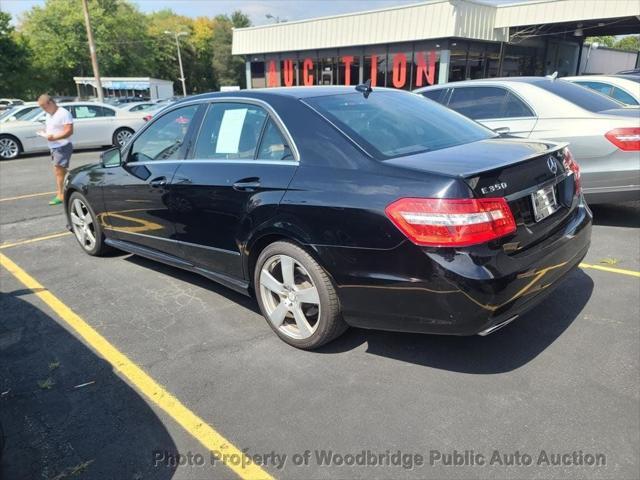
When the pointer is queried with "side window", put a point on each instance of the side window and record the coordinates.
(86, 111)
(478, 102)
(623, 96)
(273, 146)
(514, 107)
(164, 137)
(435, 95)
(597, 86)
(230, 131)
(107, 112)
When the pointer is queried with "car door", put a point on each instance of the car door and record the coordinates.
(135, 194)
(494, 107)
(91, 125)
(238, 172)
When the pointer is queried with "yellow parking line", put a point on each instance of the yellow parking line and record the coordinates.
(32, 240)
(196, 426)
(621, 271)
(20, 197)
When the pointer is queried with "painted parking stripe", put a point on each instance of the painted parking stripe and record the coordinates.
(621, 271)
(156, 393)
(33, 240)
(30, 195)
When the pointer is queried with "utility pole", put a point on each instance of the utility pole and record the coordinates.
(177, 36)
(92, 51)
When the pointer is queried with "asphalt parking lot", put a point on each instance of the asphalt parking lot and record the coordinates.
(199, 367)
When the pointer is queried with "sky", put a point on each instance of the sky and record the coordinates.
(256, 9)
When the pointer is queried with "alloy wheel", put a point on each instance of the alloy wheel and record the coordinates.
(122, 137)
(290, 297)
(8, 148)
(82, 224)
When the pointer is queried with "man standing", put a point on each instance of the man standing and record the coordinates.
(58, 131)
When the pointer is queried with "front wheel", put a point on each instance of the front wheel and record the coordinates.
(85, 225)
(297, 297)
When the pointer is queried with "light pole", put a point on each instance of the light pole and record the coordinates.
(177, 35)
(586, 63)
(92, 51)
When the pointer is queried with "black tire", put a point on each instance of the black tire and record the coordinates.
(117, 133)
(10, 147)
(99, 248)
(330, 323)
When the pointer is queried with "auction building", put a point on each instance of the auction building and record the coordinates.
(435, 41)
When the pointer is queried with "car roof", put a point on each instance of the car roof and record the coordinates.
(289, 92)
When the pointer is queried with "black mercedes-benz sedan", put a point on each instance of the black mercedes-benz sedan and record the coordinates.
(340, 206)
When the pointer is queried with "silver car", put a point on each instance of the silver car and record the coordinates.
(623, 88)
(603, 136)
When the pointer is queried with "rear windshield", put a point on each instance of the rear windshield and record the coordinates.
(580, 96)
(393, 124)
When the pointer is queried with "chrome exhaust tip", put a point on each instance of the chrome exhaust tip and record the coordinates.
(498, 326)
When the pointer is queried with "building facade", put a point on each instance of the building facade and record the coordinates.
(431, 42)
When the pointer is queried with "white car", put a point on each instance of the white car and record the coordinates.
(19, 112)
(137, 106)
(94, 125)
(623, 88)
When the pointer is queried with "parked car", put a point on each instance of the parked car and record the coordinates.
(623, 88)
(19, 112)
(633, 71)
(6, 103)
(95, 125)
(603, 135)
(116, 101)
(137, 107)
(336, 207)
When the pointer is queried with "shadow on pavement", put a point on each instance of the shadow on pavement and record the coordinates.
(617, 215)
(54, 429)
(507, 349)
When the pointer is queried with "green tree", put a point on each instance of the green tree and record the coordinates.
(605, 40)
(56, 34)
(228, 69)
(630, 43)
(15, 67)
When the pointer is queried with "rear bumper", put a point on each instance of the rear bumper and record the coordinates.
(448, 291)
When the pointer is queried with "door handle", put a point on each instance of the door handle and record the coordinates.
(247, 184)
(158, 182)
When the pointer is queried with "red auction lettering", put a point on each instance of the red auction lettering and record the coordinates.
(272, 76)
(399, 70)
(288, 72)
(306, 76)
(347, 60)
(424, 70)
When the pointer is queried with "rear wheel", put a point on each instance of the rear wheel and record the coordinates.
(9, 147)
(297, 297)
(85, 225)
(122, 136)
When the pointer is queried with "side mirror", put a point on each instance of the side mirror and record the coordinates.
(502, 131)
(111, 158)
(41, 119)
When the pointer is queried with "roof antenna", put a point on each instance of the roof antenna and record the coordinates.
(553, 76)
(365, 88)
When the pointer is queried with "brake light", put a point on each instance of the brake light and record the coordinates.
(571, 164)
(451, 222)
(627, 139)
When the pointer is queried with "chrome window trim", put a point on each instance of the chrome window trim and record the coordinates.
(261, 103)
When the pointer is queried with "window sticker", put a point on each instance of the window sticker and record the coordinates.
(230, 131)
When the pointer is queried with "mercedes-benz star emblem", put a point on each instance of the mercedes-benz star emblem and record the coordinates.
(553, 166)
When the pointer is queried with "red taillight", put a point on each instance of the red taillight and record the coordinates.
(627, 139)
(451, 222)
(571, 164)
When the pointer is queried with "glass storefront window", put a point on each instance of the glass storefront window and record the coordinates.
(349, 68)
(288, 70)
(328, 69)
(458, 61)
(426, 65)
(258, 79)
(375, 67)
(308, 63)
(399, 67)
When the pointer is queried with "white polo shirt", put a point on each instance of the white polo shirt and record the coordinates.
(54, 125)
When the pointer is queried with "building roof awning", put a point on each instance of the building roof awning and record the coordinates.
(122, 83)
